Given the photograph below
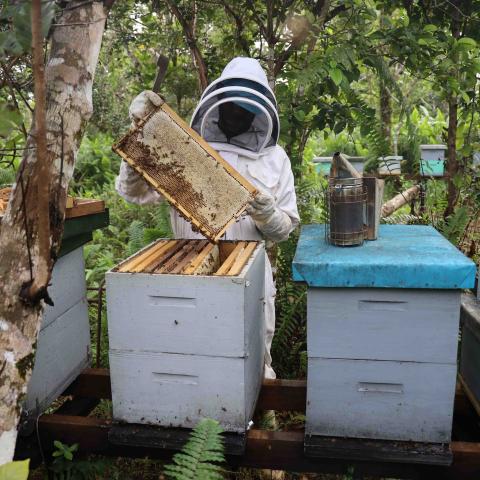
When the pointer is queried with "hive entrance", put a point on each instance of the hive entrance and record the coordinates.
(191, 257)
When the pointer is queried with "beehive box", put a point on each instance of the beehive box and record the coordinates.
(470, 347)
(186, 332)
(382, 332)
(63, 346)
(190, 174)
(390, 165)
(432, 160)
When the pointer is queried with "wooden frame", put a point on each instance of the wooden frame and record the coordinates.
(210, 233)
(264, 449)
(188, 257)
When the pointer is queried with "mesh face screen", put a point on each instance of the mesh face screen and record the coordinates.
(174, 162)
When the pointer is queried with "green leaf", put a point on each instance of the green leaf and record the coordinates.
(336, 75)
(14, 470)
(467, 41)
(430, 28)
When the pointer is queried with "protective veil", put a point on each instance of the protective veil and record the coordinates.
(254, 154)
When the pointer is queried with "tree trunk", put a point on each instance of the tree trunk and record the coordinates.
(452, 162)
(76, 41)
(386, 113)
(189, 32)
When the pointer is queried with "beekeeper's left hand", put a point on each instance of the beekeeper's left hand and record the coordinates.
(269, 219)
(143, 104)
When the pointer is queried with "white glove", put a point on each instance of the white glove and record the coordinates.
(133, 188)
(270, 220)
(143, 104)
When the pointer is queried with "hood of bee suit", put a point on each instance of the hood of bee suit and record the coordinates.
(244, 82)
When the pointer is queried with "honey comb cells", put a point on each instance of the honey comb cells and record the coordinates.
(183, 168)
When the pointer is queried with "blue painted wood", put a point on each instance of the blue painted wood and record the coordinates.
(404, 256)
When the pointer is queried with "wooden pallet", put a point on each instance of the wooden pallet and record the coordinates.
(181, 166)
(283, 450)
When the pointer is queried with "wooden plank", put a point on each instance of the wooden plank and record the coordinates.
(225, 267)
(139, 435)
(92, 382)
(378, 450)
(198, 246)
(151, 258)
(174, 260)
(226, 248)
(77, 406)
(85, 207)
(470, 395)
(283, 395)
(141, 256)
(242, 259)
(159, 261)
(199, 259)
(210, 262)
(264, 449)
(375, 188)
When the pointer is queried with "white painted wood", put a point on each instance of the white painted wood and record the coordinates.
(380, 399)
(254, 332)
(191, 314)
(67, 286)
(176, 313)
(470, 346)
(187, 347)
(176, 390)
(63, 350)
(383, 324)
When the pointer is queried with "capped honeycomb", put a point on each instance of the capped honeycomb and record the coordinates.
(183, 168)
(190, 257)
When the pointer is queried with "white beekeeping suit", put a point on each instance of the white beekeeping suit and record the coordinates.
(253, 153)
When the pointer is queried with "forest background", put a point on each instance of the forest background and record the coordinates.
(364, 77)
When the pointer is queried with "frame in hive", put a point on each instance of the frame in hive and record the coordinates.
(181, 166)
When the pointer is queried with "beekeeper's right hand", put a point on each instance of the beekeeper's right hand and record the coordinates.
(143, 104)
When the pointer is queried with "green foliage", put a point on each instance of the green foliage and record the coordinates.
(201, 456)
(455, 226)
(64, 467)
(7, 176)
(96, 166)
(16, 16)
(14, 470)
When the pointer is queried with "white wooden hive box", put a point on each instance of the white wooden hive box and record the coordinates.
(63, 345)
(187, 346)
(373, 356)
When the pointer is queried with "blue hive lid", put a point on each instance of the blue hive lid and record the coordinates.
(404, 256)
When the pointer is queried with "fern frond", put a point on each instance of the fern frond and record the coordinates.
(135, 237)
(201, 455)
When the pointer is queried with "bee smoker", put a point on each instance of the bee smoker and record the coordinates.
(353, 204)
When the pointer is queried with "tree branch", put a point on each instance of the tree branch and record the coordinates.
(189, 32)
(37, 289)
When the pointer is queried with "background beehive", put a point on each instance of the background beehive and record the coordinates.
(183, 168)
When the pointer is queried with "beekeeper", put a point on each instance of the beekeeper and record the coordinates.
(237, 115)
